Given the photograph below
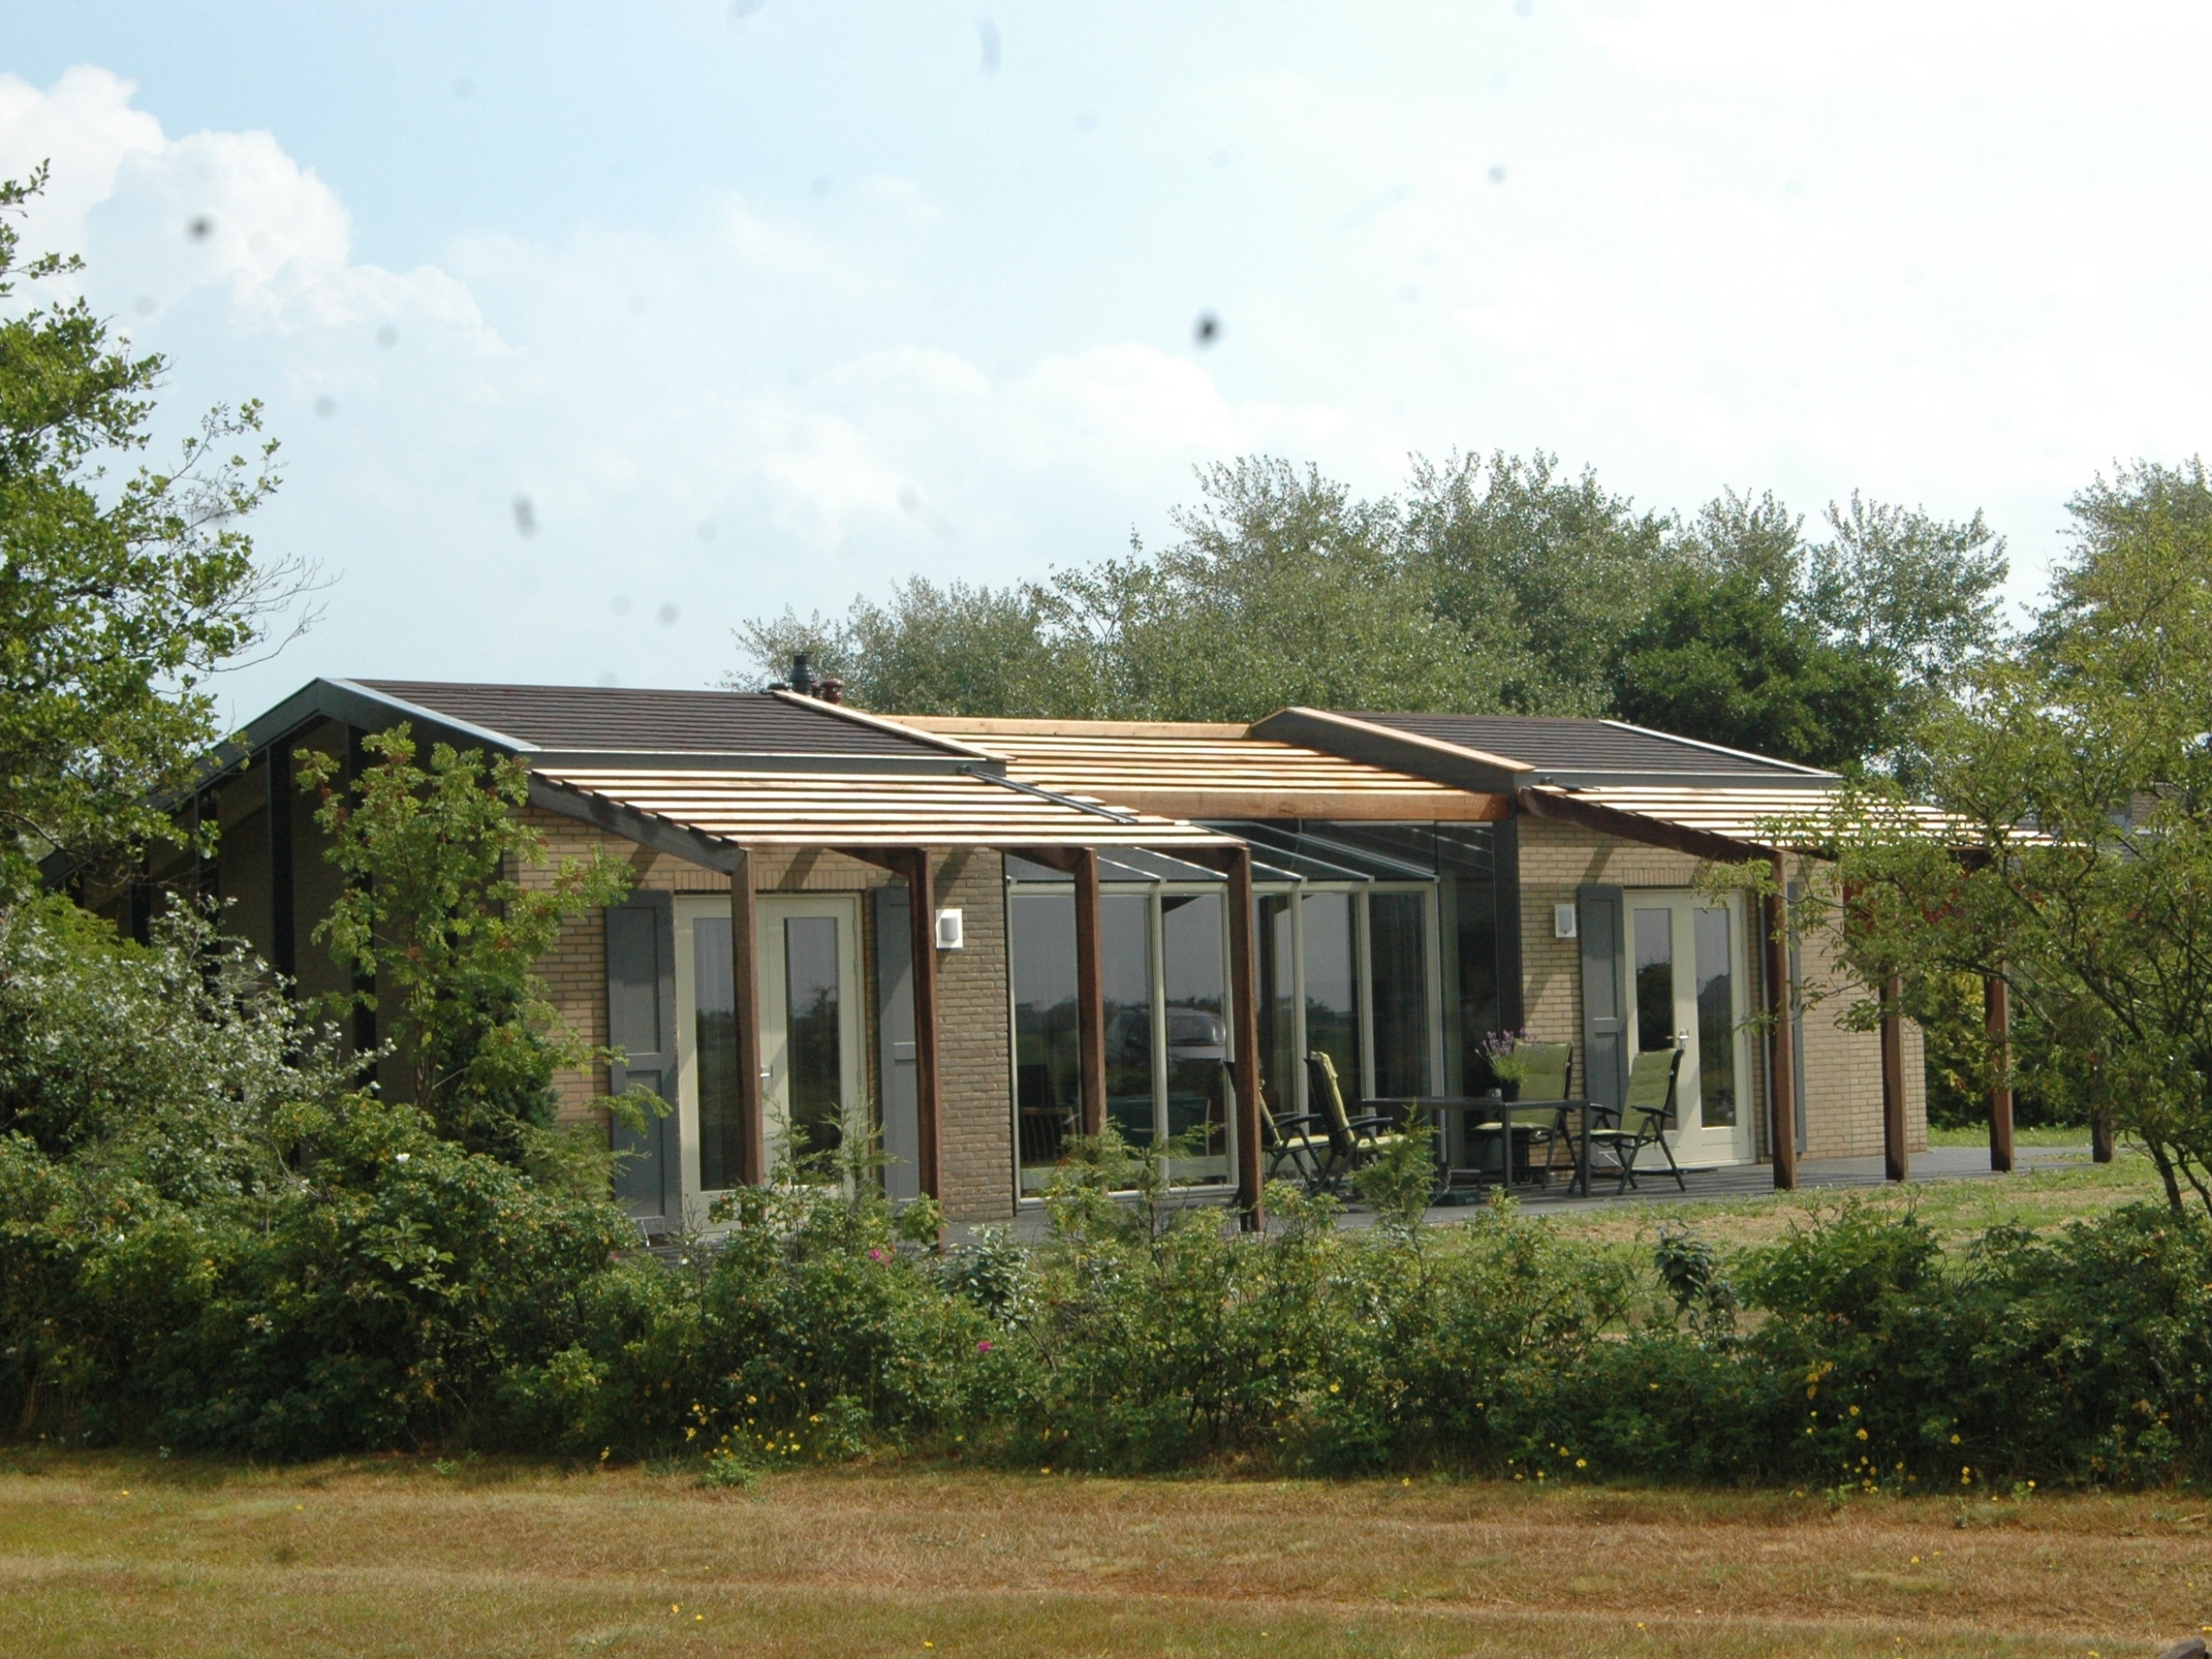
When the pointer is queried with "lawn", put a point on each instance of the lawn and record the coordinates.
(1959, 1210)
(113, 1556)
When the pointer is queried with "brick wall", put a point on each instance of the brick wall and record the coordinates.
(1842, 1068)
(974, 1040)
(975, 1059)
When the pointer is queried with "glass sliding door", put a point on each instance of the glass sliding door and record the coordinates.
(814, 1016)
(1040, 943)
(1398, 932)
(1332, 987)
(1281, 1076)
(1195, 981)
(1125, 962)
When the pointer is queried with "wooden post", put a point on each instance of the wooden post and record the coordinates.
(1090, 991)
(2100, 1136)
(1897, 1159)
(921, 913)
(1781, 1046)
(744, 988)
(1996, 1013)
(1244, 1017)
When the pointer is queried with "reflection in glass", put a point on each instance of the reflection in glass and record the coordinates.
(1040, 929)
(815, 1055)
(1716, 1021)
(715, 1032)
(1655, 979)
(1279, 1058)
(1475, 924)
(1332, 984)
(1397, 937)
(1195, 983)
(1125, 960)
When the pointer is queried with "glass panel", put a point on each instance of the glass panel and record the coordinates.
(1197, 1029)
(1279, 1060)
(1125, 960)
(1332, 986)
(1655, 979)
(1475, 927)
(814, 1053)
(1716, 1021)
(1040, 927)
(714, 1028)
(1397, 944)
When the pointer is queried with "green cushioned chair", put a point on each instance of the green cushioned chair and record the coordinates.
(1353, 1137)
(1549, 1067)
(1642, 1119)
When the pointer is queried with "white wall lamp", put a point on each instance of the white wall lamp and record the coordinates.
(950, 934)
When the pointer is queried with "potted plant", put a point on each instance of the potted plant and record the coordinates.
(1507, 1068)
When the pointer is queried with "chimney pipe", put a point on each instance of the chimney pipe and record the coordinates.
(833, 690)
(802, 675)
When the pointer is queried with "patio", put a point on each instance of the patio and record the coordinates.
(1733, 1181)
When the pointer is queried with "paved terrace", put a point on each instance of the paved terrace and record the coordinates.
(1735, 1181)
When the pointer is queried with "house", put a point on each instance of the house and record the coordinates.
(977, 937)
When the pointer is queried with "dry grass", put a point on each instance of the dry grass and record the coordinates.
(112, 1557)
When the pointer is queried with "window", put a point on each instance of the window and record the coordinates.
(1348, 970)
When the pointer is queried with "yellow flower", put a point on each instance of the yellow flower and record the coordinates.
(1862, 1433)
(1582, 1463)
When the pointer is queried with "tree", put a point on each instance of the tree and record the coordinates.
(117, 598)
(1726, 654)
(2079, 769)
(435, 915)
(1547, 572)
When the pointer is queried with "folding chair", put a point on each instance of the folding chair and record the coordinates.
(1641, 1120)
(1352, 1141)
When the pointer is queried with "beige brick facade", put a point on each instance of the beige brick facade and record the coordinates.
(1841, 1068)
(974, 1058)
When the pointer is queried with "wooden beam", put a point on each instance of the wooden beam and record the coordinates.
(1781, 1044)
(921, 915)
(745, 985)
(1897, 1159)
(1996, 1018)
(1090, 991)
(1338, 805)
(1394, 750)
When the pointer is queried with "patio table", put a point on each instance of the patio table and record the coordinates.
(1495, 1107)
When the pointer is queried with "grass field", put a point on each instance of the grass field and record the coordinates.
(2038, 1135)
(1958, 1210)
(117, 1557)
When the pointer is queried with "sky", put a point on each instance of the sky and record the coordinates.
(589, 332)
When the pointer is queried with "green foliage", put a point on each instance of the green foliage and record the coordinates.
(1724, 657)
(117, 596)
(436, 916)
(2080, 779)
(1489, 585)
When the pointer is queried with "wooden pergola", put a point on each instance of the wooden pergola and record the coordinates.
(897, 821)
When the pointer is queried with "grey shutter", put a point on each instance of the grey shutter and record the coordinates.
(1605, 1022)
(641, 1022)
(894, 1033)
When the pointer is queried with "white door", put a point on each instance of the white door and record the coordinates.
(814, 1076)
(1686, 976)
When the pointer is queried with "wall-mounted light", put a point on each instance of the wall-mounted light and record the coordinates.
(951, 935)
(1563, 922)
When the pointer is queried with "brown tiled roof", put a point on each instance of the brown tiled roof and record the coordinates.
(1550, 744)
(626, 720)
